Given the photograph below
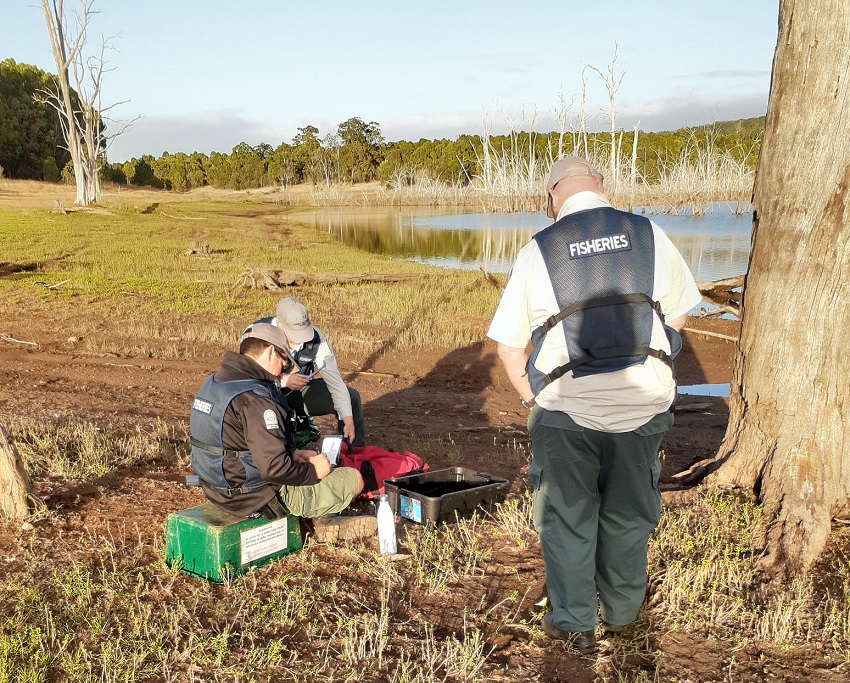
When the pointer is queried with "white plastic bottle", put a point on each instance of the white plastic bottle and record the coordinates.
(386, 526)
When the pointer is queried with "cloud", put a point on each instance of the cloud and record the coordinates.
(690, 109)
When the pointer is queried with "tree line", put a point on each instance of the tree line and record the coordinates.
(356, 152)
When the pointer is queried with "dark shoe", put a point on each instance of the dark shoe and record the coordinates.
(583, 641)
(344, 528)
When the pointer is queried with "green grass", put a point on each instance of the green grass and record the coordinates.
(134, 270)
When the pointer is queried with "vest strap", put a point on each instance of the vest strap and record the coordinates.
(612, 300)
(226, 452)
(232, 492)
(601, 354)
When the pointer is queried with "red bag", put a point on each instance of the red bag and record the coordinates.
(376, 464)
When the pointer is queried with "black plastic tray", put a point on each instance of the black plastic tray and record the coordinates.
(443, 495)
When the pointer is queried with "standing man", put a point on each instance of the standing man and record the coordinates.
(601, 295)
(243, 445)
(312, 355)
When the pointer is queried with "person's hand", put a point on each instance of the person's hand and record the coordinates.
(320, 462)
(295, 381)
(348, 428)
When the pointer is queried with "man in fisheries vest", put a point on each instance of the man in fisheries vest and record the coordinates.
(601, 295)
(243, 445)
(315, 383)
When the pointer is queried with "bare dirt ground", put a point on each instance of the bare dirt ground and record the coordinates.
(459, 398)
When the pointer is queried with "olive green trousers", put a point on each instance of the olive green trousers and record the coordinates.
(595, 502)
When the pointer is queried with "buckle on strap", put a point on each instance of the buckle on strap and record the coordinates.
(611, 300)
(603, 354)
(229, 492)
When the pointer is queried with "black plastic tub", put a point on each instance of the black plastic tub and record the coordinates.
(444, 495)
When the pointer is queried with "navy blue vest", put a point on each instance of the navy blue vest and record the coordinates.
(206, 422)
(305, 358)
(601, 263)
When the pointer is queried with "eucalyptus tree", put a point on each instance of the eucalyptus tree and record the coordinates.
(309, 152)
(283, 165)
(360, 154)
(788, 440)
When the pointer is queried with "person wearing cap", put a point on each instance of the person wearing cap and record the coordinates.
(243, 444)
(601, 296)
(312, 355)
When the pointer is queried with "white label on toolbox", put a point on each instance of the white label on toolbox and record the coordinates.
(264, 540)
(410, 508)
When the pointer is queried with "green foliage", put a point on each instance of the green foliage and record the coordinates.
(357, 153)
(29, 129)
(49, 170)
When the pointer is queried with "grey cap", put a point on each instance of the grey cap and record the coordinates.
(293, 317)
(560, 170)
(266, 332)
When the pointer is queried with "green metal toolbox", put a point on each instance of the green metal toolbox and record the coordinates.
(210, 544)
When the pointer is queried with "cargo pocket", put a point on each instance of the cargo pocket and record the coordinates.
(535, 472)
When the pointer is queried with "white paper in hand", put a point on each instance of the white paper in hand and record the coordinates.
(331, 446)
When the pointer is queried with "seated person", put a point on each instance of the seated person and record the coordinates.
(243, 445)
(310, 352)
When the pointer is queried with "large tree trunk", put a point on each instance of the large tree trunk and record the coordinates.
(788, 439)
(15, 484)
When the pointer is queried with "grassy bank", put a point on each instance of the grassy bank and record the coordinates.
(132, 266)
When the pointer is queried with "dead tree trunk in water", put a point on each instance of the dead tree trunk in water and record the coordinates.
(788, 439)
(15, 484)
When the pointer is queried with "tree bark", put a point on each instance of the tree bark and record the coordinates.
(15, 483)
(788, 440)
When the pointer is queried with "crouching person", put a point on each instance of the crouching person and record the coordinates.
(243, 445)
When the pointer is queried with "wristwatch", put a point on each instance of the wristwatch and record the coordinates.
(526, 404)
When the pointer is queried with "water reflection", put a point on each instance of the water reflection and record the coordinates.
(715, 245)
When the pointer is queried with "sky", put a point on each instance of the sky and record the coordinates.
(205, 75)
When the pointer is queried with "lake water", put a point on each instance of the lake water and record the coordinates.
(715, 245)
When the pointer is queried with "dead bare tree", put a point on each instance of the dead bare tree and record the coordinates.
(77, 96)
(788, 439)
(612, 85)
(561, 114)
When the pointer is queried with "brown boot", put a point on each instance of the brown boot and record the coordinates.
(343, 528)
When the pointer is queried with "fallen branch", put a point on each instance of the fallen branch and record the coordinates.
(721, 293)
(692, 407)
(370, 373)
(717, 312)
(277, 279)
(5, 337)
(58, 284)
(706, 333)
